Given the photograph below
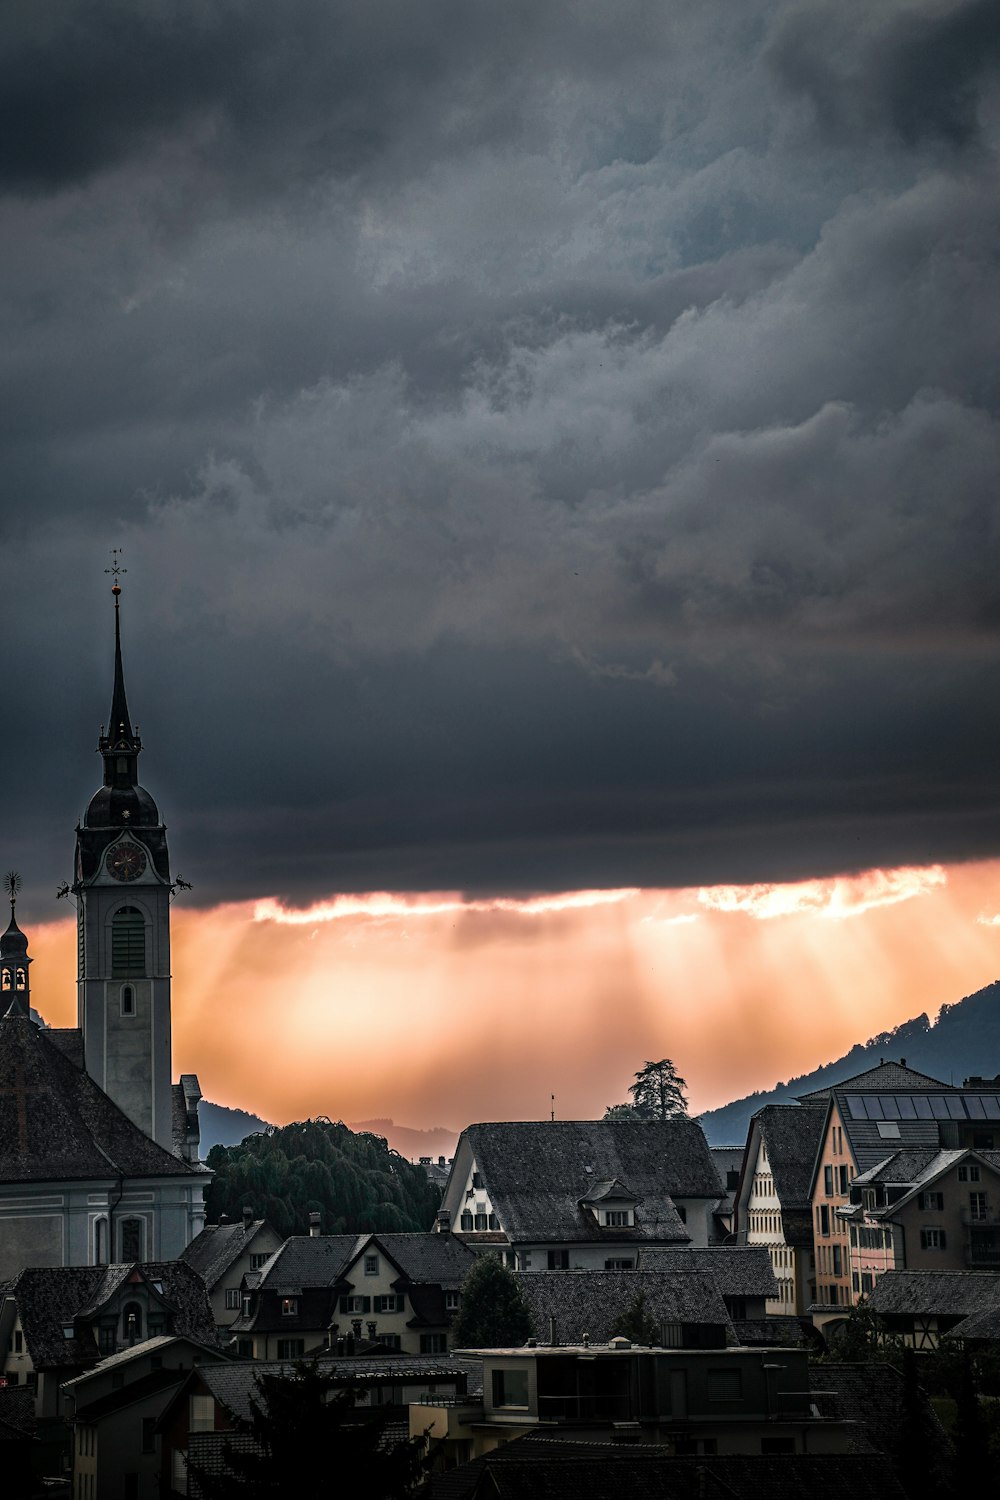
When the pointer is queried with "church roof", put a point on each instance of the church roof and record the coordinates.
(56, 1123)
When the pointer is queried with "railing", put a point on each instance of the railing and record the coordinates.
(976, 1255)
(585, 1408)
(988, 1219)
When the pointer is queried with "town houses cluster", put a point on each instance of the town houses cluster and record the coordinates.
(677, 1293)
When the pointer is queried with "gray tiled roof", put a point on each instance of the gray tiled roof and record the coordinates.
(442, 1259)
(234, 1384)
(594, 1302)
(51, 1298)
(218, 1246)
(871, 1396)
(791, 1138)
(56, 1124)
(905, 1166)
(537, 1174)
(945, 1293)
(887, 1078)
(739, 1270)
(537, 1468)
(310, 1260)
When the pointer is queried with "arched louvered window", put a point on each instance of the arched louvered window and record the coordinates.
(128, 942)
(132, 1323)
(131, 1239)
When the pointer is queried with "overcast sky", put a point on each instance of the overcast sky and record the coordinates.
(554, 445)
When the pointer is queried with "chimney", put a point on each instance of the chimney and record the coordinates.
(440, 1161)
(443, 1222)
(553, 1340)
(314, 1226)
(247, 1216)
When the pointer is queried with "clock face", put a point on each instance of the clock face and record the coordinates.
(125, 861)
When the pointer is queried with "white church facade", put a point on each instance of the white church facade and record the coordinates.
(98, 1147)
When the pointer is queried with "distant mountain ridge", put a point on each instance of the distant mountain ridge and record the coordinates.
(963, 1042)
(221, 1126)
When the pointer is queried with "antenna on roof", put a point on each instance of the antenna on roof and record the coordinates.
(553, 1098)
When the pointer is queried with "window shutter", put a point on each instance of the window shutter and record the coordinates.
(943, 1239)
(920, 1200)
(343, 1305)
(366, 1304)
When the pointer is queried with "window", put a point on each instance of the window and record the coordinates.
(289, 1307)
(256, 1261)
(866, 1281)
(843, 1172)
(824, 1219)
(616, 1216)
(371, 1265)
(725, 1385)
(452, 1300)
(931, 1202)
(465, 1222)
(128, 1000)
(477, 1181)
(100, 1242)
(132, 1323)
(130, 1238)
(977, 1206)
(828, 1181)
(510, 1388)
(619, 1263)
(246, 1302)
(969, 1173)
(355, 1304)
(201, 1414)
(932, 1239)
(106, 1338)
(838, 1269)
(481, 1218)
(433, 1343)
(558, 1260)
(391, 1302)
(244, 1348)
(233, 1298)
(128, 943)
(291, 1348)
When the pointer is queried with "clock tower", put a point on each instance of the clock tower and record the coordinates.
(123, 888)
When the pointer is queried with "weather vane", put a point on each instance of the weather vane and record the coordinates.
(12, 884)
(116, 570)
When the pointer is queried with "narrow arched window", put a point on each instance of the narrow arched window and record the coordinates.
(100, 1242)
(6, 979)
(21, 978)
(131, 1239)
(128, 1000)
(132, 1323)
(128, 942)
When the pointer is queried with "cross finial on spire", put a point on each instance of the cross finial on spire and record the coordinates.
(12, 884)
(116, 570)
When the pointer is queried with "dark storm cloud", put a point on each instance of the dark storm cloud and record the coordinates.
(550, 448)
(919, 74)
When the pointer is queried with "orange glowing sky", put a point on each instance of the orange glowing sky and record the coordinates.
(439, 1011)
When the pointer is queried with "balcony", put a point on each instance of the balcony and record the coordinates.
(988, 1219)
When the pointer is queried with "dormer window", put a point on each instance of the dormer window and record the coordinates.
(617, 1218)
(289, 1307)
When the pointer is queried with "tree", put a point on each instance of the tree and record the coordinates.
(636, 1324)
(622, 1112)
(304, 1427)
(657, 1094)
(492, 1312)
(352, 1180)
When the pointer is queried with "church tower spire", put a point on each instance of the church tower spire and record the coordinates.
(15, 990)
(120, 746)
(123, 888)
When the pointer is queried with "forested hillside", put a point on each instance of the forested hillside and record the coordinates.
(353, 1181)
(964, 1040)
